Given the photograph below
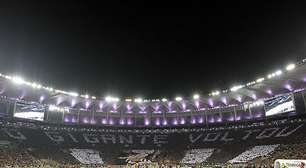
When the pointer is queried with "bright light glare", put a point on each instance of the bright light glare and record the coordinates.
(111, 99)
(58, 109)
(138, 100)
(196, 97)
(164, 100)
(178, 98)
(36, 86)
(108, 99)
(74, 94)
(215, 93)
(260, 80)
(235, 88)
(290, 67)
(279, 72)
(18, 80)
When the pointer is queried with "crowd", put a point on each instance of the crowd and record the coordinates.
(87, 156)
(167, 130)
(290, 151)
(197, 156)
(16, 157)
(258, 156)
(248, 154)
(256, 151)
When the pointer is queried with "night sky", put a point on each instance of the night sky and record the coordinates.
(148, 49)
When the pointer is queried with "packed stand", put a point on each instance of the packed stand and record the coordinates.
(87, 156)
(257, 151)
(197, 156)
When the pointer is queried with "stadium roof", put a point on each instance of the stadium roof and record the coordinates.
(290, 78)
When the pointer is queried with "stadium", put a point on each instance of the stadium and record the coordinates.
(126, 84)
(247, 125)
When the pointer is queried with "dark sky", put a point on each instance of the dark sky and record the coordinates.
(145, 49)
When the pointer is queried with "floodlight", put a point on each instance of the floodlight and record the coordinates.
(111, 99)
(279, 72)
(18, 80)
(164, 100)
(108, 98)
(215, 93)
(74, 94)
(235, 88)
(290, 67)
(196, 97)
(260, 80)
(138, 100)
(34, 85)
(178, 98)
(115, 99)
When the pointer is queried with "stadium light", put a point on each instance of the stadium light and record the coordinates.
(290, 67)
(111, 99)
(215, 93)
(235, 88)
(250, 83)
(259, 80)
(7, 77)
(178, 98)
(116, 99)
(128, 100)
(138, 100)
(36, 86)
(279, 72)
(108, 99)
(276, 73)
(74, 94)
(164, 100)
(58, 109)
(18, 80)
(196, 97)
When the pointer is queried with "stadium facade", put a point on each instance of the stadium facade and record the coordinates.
(234, 125)
(278, 94)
